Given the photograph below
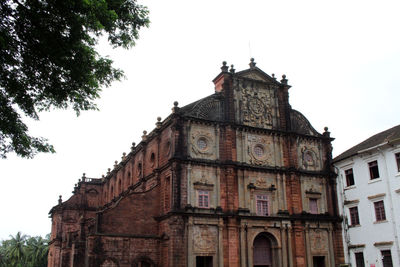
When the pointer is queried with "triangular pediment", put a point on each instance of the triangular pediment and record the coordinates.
(257, 74)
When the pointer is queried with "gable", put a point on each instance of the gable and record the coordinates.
(257, 75)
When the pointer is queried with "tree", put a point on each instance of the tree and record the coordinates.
(49, 60)
(24, 251)
(16, 251)
(36, 251)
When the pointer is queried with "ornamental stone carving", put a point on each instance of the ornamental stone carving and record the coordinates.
(205, 239)
(260, 150)
(309, 158)
(202, 144)
(319, 241)
(255, 105)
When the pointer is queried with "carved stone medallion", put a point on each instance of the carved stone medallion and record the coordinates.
(202, 143)
(256, 106)
(204, 238)
(259, 149)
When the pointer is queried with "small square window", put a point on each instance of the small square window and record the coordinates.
(398, 161)
(354, 219)
(380, 211)
(262, 205)
(313, 205)
(349, 177)
(373, 169)
(203, 199)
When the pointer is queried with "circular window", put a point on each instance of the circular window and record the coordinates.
(258, 151)
(202, 143)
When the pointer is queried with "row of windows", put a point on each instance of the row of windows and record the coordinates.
(380, 214)
(386, 258)
(262, 203)
(373, 171)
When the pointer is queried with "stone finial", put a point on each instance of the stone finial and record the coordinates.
(108, 171)
(252, 64)
(326, 132)
(115, 164)
(284, 80)
(83, 177)
(175, 108)
(123, 156)
(102, 176)
(232, 70)
(59, 200)
(158, 123)
(273, 76)
(133, 146)
(144, 136)
(224, 67)
(79, 181)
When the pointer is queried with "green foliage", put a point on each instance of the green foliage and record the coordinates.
(24, 251)
(48, 59)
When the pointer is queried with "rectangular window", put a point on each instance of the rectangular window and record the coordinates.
(354, 219)
(359, 259)
(204, 199)
(398, 161)
(349, 177)
(373, 169)
(387, 258)
(313, 204)
(262, 205)
(380, 211)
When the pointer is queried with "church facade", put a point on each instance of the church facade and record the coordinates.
(237, 178)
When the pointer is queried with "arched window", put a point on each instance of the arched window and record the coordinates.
(119, 186)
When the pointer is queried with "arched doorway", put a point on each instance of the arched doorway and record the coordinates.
(262, 251)
(143, 262)
(109, 263)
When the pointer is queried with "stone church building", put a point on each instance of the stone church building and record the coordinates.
(237, 178)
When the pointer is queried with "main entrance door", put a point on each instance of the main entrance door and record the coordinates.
(262, 254)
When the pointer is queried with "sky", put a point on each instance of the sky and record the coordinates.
(342, 59)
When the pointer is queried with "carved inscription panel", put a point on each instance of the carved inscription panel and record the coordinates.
(205, 239)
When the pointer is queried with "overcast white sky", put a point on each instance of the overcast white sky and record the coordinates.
(341, 57)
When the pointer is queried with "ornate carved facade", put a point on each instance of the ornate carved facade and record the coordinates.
(238, 178)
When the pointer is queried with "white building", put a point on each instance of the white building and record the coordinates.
(369, 200)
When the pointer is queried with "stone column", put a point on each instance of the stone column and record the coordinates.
(290, 252)
(331, 251)
(243, 241)
(189, 187)
(308, 248)
(220, 243)
(190, 255)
